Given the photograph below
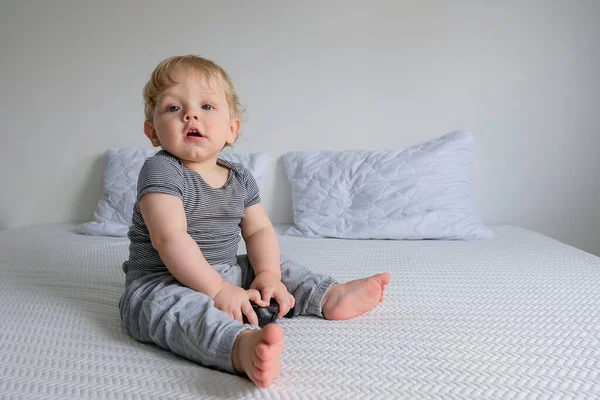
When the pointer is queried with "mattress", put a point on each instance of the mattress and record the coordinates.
(516, 317)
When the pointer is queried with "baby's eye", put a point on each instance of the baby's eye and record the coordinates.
(174, 108)
(207, 107)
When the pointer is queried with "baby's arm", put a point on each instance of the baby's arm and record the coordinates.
(263, 253)
(261, 241)
(165, 217)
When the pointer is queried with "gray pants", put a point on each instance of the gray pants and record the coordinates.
(156, 308)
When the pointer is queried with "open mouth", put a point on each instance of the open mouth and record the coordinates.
(193, 133)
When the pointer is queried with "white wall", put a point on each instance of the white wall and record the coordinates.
(523, 76)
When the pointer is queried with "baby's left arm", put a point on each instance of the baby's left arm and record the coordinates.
(263, 253)
(261, 241)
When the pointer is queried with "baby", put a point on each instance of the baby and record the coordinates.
(187, 290)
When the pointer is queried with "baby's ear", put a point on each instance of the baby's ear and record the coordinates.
(151, 133)
(234, 130)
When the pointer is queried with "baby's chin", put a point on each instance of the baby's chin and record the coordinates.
(197, 157)
(194, 153)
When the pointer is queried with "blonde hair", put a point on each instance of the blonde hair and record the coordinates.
(162, 78)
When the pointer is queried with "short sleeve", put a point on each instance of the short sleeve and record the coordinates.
(252, 193)
(161, 173)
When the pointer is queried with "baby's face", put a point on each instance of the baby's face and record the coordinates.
(192, 120)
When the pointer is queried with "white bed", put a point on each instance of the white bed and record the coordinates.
(513, 317)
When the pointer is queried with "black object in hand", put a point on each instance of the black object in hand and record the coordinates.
(268, 314)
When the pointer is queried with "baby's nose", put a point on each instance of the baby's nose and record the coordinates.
(191, 114)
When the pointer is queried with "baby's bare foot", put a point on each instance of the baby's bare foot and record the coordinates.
(257, 353)
(351, 299)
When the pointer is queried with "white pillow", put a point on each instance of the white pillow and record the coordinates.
(423, 192)
(121, 169)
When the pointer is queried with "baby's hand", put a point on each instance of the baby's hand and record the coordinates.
(235, 301)
(270, 286)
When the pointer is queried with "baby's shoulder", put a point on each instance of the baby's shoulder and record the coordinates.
(161, 165)
(164, 156)
(161, 160)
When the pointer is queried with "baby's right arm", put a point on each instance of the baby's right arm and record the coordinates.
(165, 218)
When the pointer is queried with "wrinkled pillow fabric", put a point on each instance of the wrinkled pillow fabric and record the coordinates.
(423, 192)
(121, 169)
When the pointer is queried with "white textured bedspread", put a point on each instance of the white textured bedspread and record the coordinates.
(516, 317)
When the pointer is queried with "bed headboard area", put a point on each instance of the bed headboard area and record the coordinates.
(313, 76)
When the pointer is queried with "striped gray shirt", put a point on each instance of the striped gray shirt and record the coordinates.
(213, 215)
